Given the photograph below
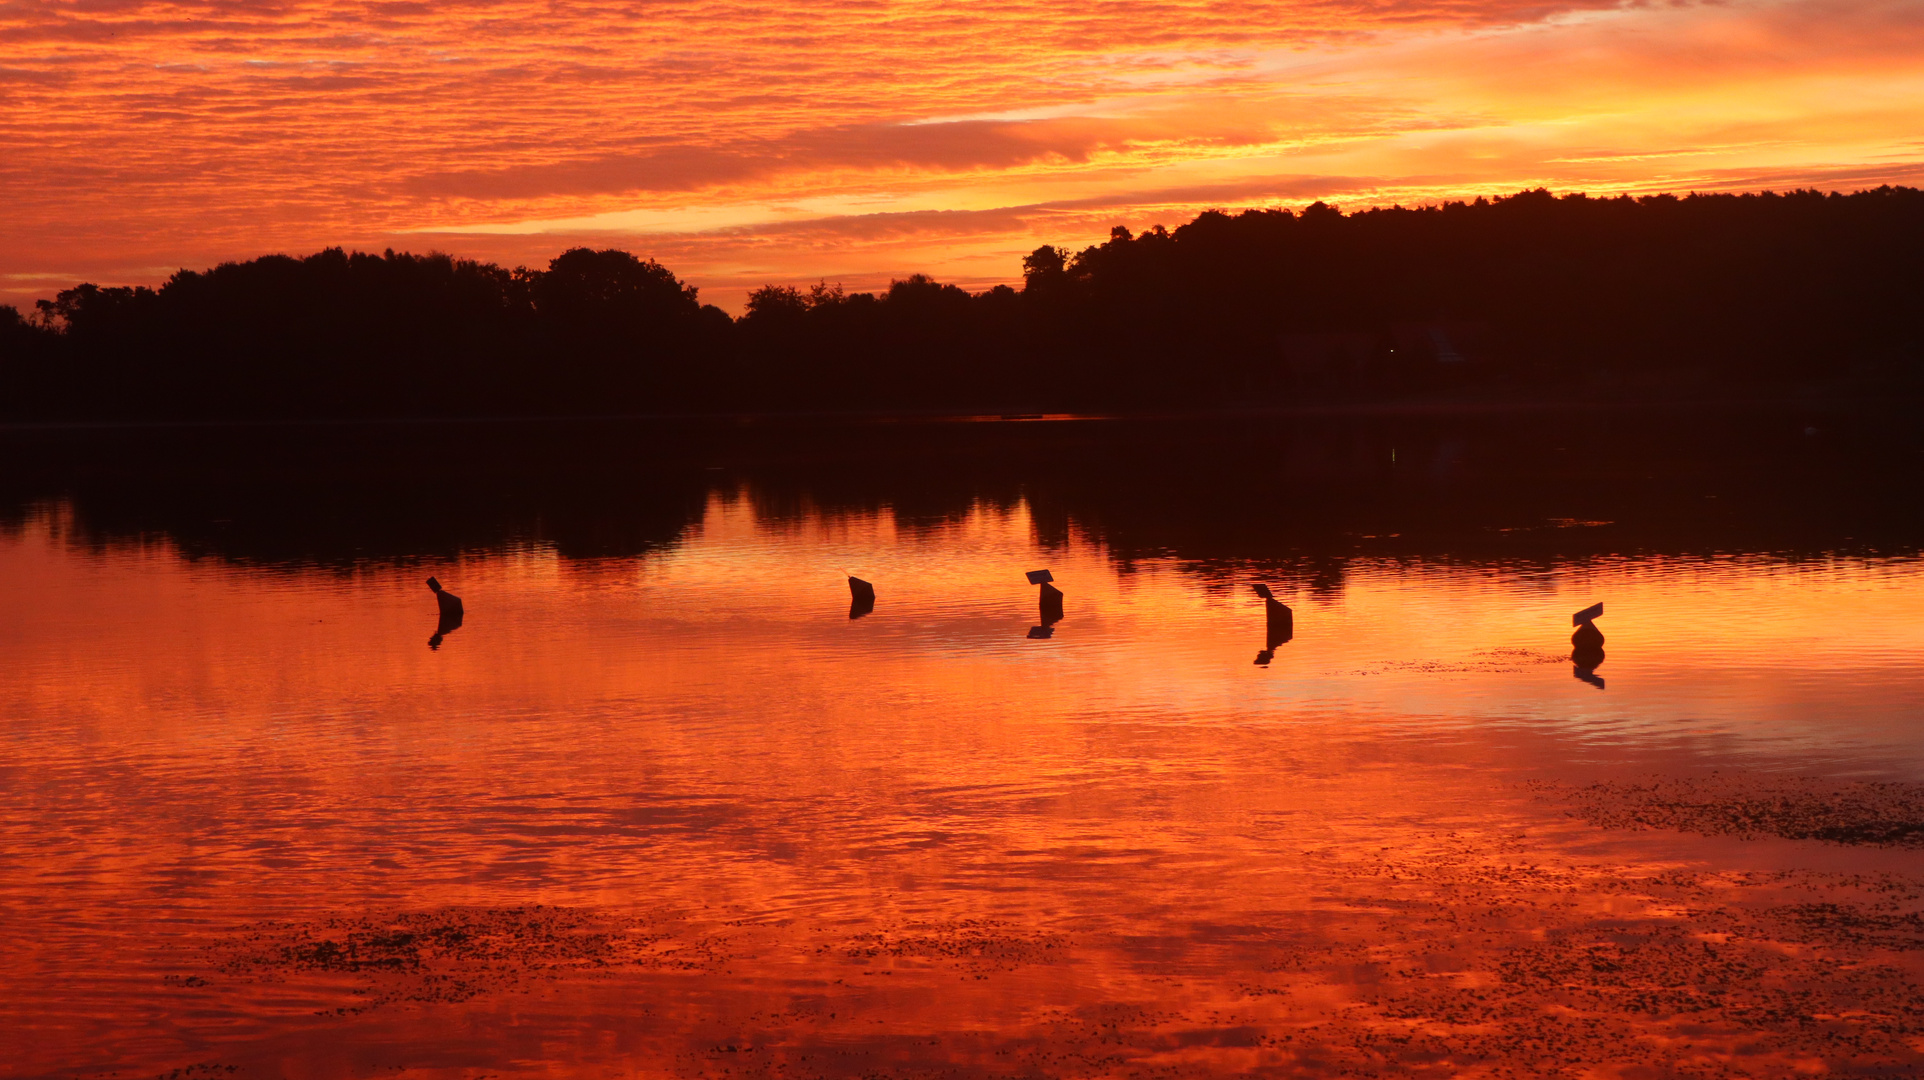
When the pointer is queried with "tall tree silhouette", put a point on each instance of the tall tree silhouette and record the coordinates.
(618, 328)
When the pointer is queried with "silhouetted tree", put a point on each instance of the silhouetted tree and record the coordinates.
(1529, 293)
(619, 328)
(1044, 265)
(612, 292)
(776, 303)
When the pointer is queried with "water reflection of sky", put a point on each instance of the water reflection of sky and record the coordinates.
(747, 617)
(199, 743)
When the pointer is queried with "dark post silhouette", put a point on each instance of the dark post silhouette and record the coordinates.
(1586, 645)
(450, 603)
(861, 597)
(451, 613)
(1279, 624)
(1051, 596)
(1051, 603)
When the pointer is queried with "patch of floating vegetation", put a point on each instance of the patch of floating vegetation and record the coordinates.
(1460, 953)
(1464, 963)
(1881, 926)
(977, 946)
(455, 954)
(1880, 814)
(214, 1071)
(1482, 661)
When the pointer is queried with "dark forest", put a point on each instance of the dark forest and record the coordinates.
(1527, 296)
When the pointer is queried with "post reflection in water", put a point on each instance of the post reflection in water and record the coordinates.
(447, 624)
(663, 814)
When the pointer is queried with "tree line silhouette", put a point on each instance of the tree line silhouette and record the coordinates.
(1703, 294)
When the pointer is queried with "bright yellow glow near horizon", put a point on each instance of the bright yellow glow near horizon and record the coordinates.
(744, 143)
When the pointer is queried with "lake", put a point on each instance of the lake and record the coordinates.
(665, 805)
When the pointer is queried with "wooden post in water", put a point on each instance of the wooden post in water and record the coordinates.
(1586, 645)
(1049, 603)
(1051, 598)
(861, 596)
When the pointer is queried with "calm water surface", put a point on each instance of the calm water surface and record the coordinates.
(674, 812)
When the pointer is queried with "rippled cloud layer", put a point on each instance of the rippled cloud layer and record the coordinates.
(744, 142)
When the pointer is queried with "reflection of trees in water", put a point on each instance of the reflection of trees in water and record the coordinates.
(1295, 499)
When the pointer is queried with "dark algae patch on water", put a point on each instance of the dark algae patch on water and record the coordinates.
(1478, 958)
(451, 955)
(1879, 814)
(1455, 953)
(976, 946)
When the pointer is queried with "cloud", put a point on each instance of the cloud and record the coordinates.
(944, 147)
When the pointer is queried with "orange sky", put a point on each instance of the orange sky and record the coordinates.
(745, 142)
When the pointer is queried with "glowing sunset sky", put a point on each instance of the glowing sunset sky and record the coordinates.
(744, 142)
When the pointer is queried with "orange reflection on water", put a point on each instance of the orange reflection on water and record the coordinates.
(250, 819)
